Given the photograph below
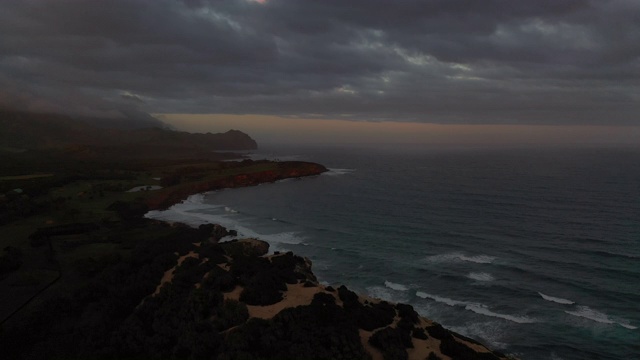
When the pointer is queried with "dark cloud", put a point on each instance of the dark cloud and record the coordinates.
(448, 61)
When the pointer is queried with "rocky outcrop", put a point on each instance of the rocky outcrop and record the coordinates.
(245, 247)
(286, 313)
(217, 232)
(182, 296)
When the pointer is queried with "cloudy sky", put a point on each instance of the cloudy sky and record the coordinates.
(534, 62)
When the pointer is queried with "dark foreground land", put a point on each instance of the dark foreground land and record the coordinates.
(83, 275)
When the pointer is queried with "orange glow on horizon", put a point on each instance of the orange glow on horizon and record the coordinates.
(277, 129)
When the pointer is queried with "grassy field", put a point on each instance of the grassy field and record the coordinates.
(82, 192)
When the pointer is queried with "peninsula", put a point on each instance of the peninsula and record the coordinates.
(84, 275)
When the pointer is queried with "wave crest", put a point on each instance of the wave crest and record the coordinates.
(482, 276)
(336, 172)
(484, 310)
(556, 299)
(395, 286)
(441, 299)
(597, 316)
(449, 257)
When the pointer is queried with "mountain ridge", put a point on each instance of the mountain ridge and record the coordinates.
(25, 130)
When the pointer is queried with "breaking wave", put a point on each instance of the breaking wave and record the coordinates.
(556, 299)
(448, 257)
(480, 276)
(597, 316)
(336, 172)
(394, 286)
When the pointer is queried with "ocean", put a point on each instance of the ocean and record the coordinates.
(534, 252)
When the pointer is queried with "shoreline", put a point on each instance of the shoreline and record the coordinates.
(145, 282)
(166, 197)
(300, 295)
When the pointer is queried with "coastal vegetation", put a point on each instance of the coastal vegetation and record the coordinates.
(83, 275)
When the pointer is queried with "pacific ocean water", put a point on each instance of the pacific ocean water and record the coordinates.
(534, 252)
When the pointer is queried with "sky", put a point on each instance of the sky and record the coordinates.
(530, 63)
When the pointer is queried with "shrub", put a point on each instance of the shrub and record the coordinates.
(392, 343)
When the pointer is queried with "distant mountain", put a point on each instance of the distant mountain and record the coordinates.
(230, 140)
(37, 131)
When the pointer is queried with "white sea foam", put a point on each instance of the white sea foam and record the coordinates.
(492, 332)
(588, 313)
(286, 180)
(556, 299)
(395, 286)
(440, 299)
(476, 308)
(482, 276)
(597, 316)
(456, 256)
(290, 237)
(385, 293)
(192, 200)
(336, 172)
(479, 259)
(484, 310)
(189, 212)
(194, 212)
(627, 326)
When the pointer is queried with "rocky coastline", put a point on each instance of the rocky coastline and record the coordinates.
(289, 314)
(284, 170)
(170, 291)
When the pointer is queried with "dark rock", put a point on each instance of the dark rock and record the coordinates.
(347, 296)
(217, 232)
(437, 331)
(293, 267)
(367, 317)
(392, 343)
(219, 279)
(323, 298)
(245, 247)
(230, 314)
(263, 289)
(456, 350)
(419, 333)
(407, 312)
(320, 330)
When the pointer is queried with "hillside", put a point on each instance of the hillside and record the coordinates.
(21, 130)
